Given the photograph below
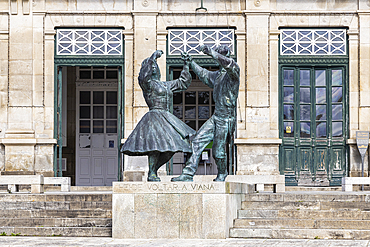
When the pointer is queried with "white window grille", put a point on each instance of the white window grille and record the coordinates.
(89, 42)
(190, 40)
(313, 42)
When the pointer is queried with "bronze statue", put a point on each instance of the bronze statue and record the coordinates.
(159, 134)
(221, 126)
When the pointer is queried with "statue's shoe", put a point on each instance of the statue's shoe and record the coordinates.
(182, 178)
(153, 178)
(220, 177)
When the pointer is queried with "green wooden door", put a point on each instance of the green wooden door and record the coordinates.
(313, 125)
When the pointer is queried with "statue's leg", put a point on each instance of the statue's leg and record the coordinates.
(162, 159)
(153, 160)
(203, 137)
(219, 148)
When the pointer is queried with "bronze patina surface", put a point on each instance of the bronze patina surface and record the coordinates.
(159, 134)
(221, 126)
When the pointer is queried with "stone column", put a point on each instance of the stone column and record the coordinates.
(240, 44)
(4, 36)
(19, 138)
(359, 89)
(129, 81)
(258, 145)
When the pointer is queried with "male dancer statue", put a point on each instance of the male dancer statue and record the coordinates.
(221, 126)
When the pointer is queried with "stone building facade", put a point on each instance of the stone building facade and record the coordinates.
(68, 83)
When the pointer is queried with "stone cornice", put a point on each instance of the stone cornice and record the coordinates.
(47, 12)
(144, 13)
(90, 60)
(232, 13)
(27, 141)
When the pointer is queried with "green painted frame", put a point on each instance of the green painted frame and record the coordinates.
(86, 60)
(314, 62)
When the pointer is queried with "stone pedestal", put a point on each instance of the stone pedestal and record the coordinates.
(204, 210)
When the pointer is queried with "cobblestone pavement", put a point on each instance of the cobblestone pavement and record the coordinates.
(70, 241)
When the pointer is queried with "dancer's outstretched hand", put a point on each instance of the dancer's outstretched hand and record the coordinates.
(206, 49)
(158, 53)
(186, 57)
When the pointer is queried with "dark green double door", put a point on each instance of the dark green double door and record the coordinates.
(313, 125)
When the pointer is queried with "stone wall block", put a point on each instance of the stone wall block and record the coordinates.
(168, 215)
(19, 158)
(214, 205)
(3, 73)
(20, 51)
(21, 67)
(4, 48)
(258, 159)
(99, 20)
(145, 213)
(20, 118)
(364, 114)
(274, 121)
(124, 208)
(19, 96)
(38, 119)
(191, 218)
(57, 5)
(68, 20)
(44, 159)
(49, 118)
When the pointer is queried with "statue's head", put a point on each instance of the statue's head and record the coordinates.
(223, 50)
(156, 73)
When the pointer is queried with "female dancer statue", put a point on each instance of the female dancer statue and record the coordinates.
(159, 134)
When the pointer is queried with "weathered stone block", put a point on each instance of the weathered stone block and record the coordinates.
(175, 210)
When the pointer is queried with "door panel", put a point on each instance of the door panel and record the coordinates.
(312, 106)
(97, 152)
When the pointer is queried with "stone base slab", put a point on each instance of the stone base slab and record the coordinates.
(196, 210)
(65, 182)
(348, 182)
(36, 182)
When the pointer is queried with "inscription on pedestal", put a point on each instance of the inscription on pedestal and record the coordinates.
(179, 187)
(153, 187)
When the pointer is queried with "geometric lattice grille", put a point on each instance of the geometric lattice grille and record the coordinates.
(190, 40)
(89, 42)
(313, 42)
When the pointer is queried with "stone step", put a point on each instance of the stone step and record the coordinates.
(341, 205)
(305, 188)
(55, 222)
(79, 213)
(40, 205)
(307, 197)
(58, 231)
(91, 188)
(302, 223)
(68, 197)
(306, 214)
(299, 233)
(280, 205)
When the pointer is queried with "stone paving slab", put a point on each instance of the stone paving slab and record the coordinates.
(96, 241)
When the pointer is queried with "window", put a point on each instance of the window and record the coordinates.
(97, 73)
(195, 105)
(313, 42)
(89, 42)
(190, 40)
